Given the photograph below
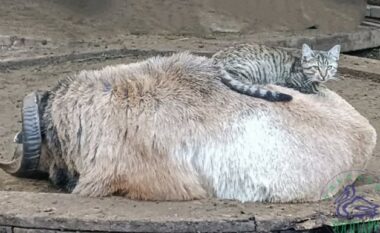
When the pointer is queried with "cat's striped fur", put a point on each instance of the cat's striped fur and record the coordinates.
(249, 66)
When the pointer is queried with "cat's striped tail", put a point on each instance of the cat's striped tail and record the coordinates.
(254, 90)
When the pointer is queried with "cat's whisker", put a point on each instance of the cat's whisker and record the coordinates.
(336, 78)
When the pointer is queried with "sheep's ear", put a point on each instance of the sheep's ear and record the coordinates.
(334, 52)
(307, 53)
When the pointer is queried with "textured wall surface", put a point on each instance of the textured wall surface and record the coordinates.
(76, 18)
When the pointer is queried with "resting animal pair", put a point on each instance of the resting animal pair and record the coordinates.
(167, 128)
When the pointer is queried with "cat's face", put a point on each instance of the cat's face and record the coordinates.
(320, 66)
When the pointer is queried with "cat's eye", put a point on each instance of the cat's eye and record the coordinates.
(329, 67)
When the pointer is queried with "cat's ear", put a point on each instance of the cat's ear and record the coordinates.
(334, 52)
(307, 52)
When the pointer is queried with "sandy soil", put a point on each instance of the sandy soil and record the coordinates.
(79, 19)
(362, 93)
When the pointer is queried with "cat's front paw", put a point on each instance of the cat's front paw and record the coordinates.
(321, 90)
(321, 94)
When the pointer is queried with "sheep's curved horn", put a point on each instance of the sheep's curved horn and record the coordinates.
(26, 160)
(13, 166)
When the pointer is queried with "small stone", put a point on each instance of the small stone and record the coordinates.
(47, 210)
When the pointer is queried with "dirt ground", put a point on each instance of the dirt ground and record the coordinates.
(83, 19)
(362, 93)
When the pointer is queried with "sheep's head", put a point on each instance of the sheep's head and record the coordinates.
(27, 155)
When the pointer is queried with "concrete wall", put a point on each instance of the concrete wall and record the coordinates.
(195, 17)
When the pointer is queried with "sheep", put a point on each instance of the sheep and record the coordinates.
(167, 129)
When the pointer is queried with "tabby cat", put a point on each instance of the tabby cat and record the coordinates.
(247, 66)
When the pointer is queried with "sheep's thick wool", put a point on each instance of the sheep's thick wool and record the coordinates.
(167, 129)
